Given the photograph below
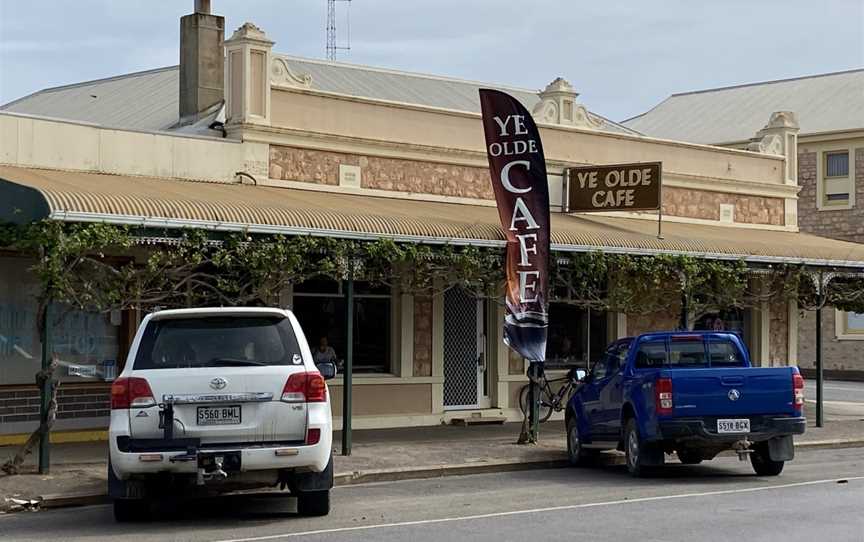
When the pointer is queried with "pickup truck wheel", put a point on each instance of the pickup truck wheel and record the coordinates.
(633, 450)
(763, 464)
(576, 454)
(313, 503)
(689, 457)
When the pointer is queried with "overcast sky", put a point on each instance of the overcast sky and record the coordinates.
(623, 56)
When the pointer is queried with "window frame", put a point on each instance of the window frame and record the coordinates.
(391, 367)
(822, 178)
(841, 329)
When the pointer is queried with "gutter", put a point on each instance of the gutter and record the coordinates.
(170, 223)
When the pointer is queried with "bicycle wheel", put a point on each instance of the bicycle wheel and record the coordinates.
(545, 403)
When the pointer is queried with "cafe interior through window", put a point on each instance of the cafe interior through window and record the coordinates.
(577, 336)
(319, 305)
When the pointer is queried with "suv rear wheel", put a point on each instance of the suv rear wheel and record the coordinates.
(128, 510)
(313, 503)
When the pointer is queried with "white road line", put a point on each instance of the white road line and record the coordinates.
(535, 510)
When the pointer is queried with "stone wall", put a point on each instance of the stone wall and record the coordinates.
(837, 355)
(423, 336)
(706, 205)
(655, 321)
(322, 167)
(845, 224)
(778, 332)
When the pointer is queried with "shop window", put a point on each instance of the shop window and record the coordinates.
(85, 344)
(849, 325)
(835, 182)
(320, 307)
(577, 336)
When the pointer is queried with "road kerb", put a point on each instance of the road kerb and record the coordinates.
(418, 473)
(832, 443)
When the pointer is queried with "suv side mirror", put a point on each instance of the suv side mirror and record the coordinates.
(327, 369)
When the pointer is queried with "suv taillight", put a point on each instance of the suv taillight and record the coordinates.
(663, 396)
(131, 392)
(305, 388)
(797, 391)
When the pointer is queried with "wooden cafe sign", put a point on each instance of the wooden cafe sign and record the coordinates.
(617, 187)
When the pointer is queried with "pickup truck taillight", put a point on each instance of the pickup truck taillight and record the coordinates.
(305, 388)
(797, 391)
(131, 392)
(663, 396)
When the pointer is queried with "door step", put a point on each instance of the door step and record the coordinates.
(477, 420)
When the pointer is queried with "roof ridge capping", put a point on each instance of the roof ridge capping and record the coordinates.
(405, 72)
(758, 83)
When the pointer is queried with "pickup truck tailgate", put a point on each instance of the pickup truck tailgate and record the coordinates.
(731, 391)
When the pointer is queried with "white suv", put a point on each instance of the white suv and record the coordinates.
(217, 400)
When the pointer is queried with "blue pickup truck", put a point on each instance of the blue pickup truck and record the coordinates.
(689, 393)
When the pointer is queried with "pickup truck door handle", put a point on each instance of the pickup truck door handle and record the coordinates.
(732, 380)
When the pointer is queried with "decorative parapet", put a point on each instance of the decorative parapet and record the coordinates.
(780, 137)
(248, 86)
(281, 75)
(558, 106)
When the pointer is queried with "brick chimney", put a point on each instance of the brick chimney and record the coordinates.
(202, 62)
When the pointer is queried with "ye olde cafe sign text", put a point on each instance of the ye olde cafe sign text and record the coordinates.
(619, 187)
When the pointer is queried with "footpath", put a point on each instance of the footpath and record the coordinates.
(79, 470)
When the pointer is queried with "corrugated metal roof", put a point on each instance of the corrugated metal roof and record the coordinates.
(89, 196)
(823, 103)
(137, 101)
(149, 100)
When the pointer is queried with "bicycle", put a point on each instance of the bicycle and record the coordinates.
(551, 401)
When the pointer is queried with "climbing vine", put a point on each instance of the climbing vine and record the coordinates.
(102, 267)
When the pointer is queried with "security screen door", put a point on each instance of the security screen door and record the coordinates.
(464, 351)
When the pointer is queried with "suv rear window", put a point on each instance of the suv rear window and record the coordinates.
(217, 342)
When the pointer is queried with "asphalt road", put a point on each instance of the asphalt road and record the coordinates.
(818, 497)
(837, 390)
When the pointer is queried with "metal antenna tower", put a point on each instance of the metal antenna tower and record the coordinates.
(332, 47)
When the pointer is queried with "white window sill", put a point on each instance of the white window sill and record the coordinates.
(836, 208)
(850, 337)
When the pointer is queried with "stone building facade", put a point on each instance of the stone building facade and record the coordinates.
(366, 162)
(842, 334)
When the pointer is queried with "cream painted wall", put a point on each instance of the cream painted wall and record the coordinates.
(35, 142)
(380, 125)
